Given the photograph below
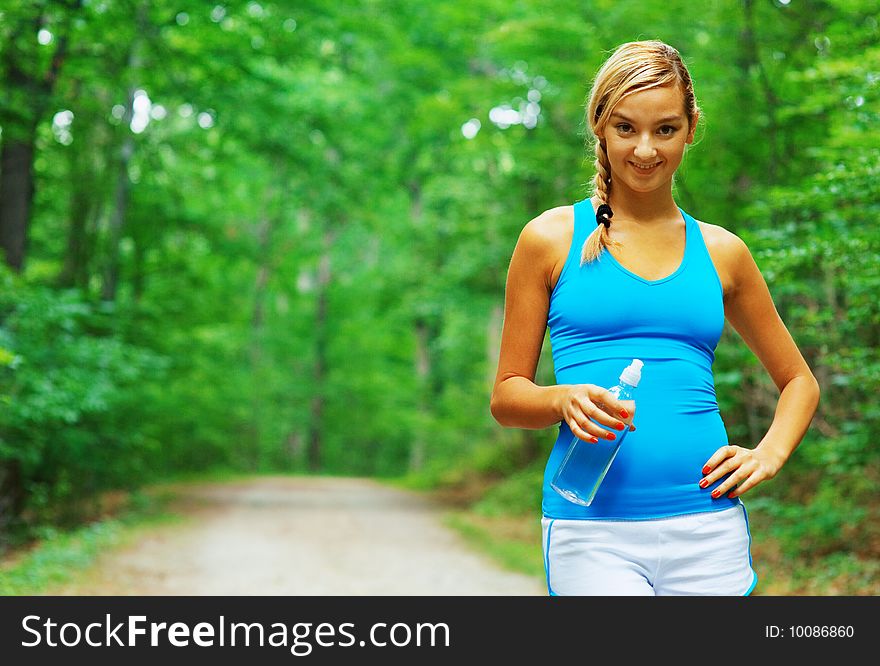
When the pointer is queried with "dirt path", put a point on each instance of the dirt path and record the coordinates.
(300, 536)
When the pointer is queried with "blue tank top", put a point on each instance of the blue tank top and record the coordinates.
(601, 317)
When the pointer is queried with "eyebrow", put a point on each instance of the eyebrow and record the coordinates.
(665, 119)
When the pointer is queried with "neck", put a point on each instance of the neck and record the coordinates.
(643, 207)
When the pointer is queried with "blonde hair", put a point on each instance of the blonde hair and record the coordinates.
(632, 67)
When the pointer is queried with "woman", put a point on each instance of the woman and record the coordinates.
(627, 274)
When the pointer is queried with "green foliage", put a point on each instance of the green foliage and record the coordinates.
(71, 421)
(55, 557)
(311, 220)
(824, 525)
(59, 556)
(519, 552)
(519, 493)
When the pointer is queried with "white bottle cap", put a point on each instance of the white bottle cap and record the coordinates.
(632, 373)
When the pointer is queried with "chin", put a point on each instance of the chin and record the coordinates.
(645, 188)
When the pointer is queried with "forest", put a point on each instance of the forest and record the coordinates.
(272, 237)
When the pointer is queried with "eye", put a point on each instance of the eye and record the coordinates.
(670, 132)
(624, 127)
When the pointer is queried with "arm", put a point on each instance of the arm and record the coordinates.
(752, 313)
(517, 402)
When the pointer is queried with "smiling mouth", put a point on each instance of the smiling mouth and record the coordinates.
(644, 167)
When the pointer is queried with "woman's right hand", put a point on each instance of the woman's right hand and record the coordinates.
(581, 402)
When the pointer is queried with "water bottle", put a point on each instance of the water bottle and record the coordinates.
(586, 464)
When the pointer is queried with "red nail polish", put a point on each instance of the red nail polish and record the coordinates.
(704, 483)
(611, 435)
(619, 426)
(706, 469)
(624, 413)
(715, 494)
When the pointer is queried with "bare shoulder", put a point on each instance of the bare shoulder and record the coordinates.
(728, 251)
(550, 227)
(545, 240)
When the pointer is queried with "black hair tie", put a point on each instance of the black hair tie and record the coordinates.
(604, 215)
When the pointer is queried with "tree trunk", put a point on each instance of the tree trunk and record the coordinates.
(11, 498)
(122, 194)
(76, 256)
(752, 58)
(16, 198)
(752, 407)
(418, 449)
(83, 170)
(120, 206)
(138, 273)
(258, 319)
(313, 452)
(20, 129)
(422, 361)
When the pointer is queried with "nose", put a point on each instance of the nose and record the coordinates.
(645, 148)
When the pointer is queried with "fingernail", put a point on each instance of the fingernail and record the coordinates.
(611, 435)
(594, 440)
(624, 413)
(619, 426)
(706, 469)
(704, 483)
(715, 494)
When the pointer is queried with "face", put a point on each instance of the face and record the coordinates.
(647, 129)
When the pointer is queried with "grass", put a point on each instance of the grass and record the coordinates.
(813, 560)
(514, 542)
(55, 556)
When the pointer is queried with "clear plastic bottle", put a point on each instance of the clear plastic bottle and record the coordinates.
(585, 464)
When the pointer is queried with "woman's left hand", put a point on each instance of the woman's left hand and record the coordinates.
(746, 467)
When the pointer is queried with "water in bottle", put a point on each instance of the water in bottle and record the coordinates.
(585, 464)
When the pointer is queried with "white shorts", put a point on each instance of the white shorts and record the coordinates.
(697, 554)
